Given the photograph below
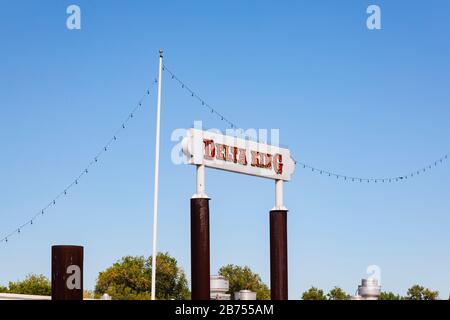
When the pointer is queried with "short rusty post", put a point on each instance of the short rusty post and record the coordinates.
(67, 273)
(200, 255)
(278, 255)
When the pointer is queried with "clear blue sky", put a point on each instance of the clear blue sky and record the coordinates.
(360, 102)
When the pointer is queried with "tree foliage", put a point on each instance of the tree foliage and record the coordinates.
(243, 278)
(88, 294)
(390, 296)
(32, 284)
(314, 293)
(130, 279)
(417, 292)
(337, 294)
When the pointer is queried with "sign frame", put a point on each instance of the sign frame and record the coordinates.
(234, 154)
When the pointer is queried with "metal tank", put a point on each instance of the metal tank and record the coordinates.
(219, 287)
(369, 289)
(245, 295)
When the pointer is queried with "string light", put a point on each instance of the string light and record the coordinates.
(311, 168)
(232, 125)
(83, 173)
(401, 178)
(201, 100)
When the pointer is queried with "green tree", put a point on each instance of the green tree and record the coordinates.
(390, 296)
(130, 279)
(417, 292)
(337, 294)
(430, 294)
(243, 278)
(33, 284)
(88, 294)
(3, 289)
(314, 293)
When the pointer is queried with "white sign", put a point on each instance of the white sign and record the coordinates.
(237, 155)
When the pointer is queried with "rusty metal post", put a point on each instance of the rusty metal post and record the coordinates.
(67, 273)
(200, 263)
(278, 255)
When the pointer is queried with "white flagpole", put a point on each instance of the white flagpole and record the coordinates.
(155, 195)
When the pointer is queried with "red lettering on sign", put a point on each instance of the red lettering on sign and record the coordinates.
(210, 150)
(278, 164)
(243, 157)
(238, 155)
(268, 161)
(232, 154)
(255, 159)
(261, 160)
(221, 151)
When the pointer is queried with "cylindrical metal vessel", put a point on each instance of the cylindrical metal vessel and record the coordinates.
(67, 273)
(219, 288)
(200, 265)
(369, 289)
(278, 255)
(219, 284)
(245, 295)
